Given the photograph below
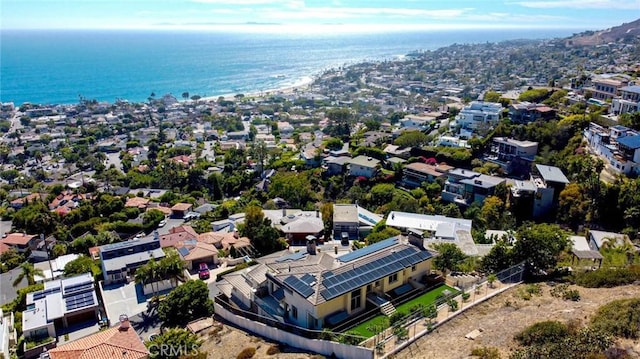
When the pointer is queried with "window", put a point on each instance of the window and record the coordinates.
(369, 288)
(413, 268)
(377, 283)
(294, 312)
(393, 278)
(355, 299)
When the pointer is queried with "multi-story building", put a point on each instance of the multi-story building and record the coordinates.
(606, 88)
(363, 166)
(465, 187)
(628, 102)
(316, 290)
(512, 155)
(478, 113)
(539, 195)
(618, 145)
(62, 302)
(415, 173)
(351, 221)
(525, 112)
(120, 260)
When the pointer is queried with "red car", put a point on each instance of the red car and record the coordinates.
(203, 271)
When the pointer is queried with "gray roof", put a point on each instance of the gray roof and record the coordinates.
(131, 260)
(365, 161)
(552, 174)
(345, 213)
(483, 181)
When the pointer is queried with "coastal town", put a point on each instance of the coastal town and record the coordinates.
(359, 216)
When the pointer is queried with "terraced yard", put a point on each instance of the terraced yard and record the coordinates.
(368, 328)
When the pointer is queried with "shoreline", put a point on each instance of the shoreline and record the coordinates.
(302, 85)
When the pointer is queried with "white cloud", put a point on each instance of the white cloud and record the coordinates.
(582, 4)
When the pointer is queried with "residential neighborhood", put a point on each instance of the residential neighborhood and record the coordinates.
(348, 218)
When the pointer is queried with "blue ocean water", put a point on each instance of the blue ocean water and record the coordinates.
(51, 67)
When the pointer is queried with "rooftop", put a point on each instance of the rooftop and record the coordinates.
(106, 344)
(552, 174)
(365, 161)
(632, 142)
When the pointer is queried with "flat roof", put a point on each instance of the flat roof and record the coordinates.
(423, 222)
(345, 213)
(118, 263)
(630, 141)
(365, 161)
(552, 174)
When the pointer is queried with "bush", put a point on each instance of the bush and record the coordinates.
(620, 318)
(396, 317)
(246, 353)
(572, 294)
(607, 277)
(486, 353)
(272, 350)
(550, 331)
(453, 305)
(466, 296)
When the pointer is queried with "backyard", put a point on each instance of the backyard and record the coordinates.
(376, 324)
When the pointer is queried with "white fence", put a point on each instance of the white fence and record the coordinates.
(323, 347)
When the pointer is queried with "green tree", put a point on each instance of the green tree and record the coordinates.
(81, 265)
(572, 205)
(491, 212)
(539, 245)
(499, 257)
(28, 271)
(449, 257)
(59, 249)
(149, 273)
(187, 302)
(295, 188)
(327, 216)
(151, 219)
(411, 139)
(491, 96)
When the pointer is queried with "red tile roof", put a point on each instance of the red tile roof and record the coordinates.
(182, 207)
(18, 239)
(108, 344)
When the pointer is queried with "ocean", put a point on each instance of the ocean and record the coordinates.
(56, 67)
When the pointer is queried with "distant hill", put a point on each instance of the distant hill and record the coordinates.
(614, 34)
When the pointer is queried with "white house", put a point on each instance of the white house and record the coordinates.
(618, 145)
(363, 166)
(478, 113)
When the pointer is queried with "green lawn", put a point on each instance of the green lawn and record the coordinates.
(364, 329)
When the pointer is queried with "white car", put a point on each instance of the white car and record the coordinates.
(162, 223)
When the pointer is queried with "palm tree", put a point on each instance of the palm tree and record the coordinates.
(29, 272)
(172, 267)
(148, 274)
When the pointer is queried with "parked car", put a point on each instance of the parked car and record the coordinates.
(162, 223)
(203, 271)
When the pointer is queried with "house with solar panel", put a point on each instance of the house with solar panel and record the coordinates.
(120, 260)
(317, 288)
(62, 303)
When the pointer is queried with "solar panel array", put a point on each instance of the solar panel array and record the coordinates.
(76, 288)
(338, 284)
(299, 286)
(79, 301)
(368, 249)
(183, 251)
(308, 278)
(292, 257)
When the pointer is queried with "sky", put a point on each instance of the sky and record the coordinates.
(321, 15)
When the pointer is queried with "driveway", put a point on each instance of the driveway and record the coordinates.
(123, 299)
(7, 291)
(5, 227)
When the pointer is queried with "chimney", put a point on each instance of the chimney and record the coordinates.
(335, 249)
(311, 245)
(235, 233)
(317, 214)
(284, 212)
(124, 322)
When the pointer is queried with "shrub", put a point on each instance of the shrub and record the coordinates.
(607, 277)
(620, 318)
(400, 332)
(486, 353)
(466, 296)
(550, 331)
(246, 353)
(396, 317)
(430, 311)
(572, 294)
(272, 350)
(453, 305)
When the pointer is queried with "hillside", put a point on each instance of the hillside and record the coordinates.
(614, 34)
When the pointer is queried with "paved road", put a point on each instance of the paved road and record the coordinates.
(7, 290)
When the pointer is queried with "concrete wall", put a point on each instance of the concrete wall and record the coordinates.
(323, 347)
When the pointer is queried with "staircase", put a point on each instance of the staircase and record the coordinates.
(387, 309)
